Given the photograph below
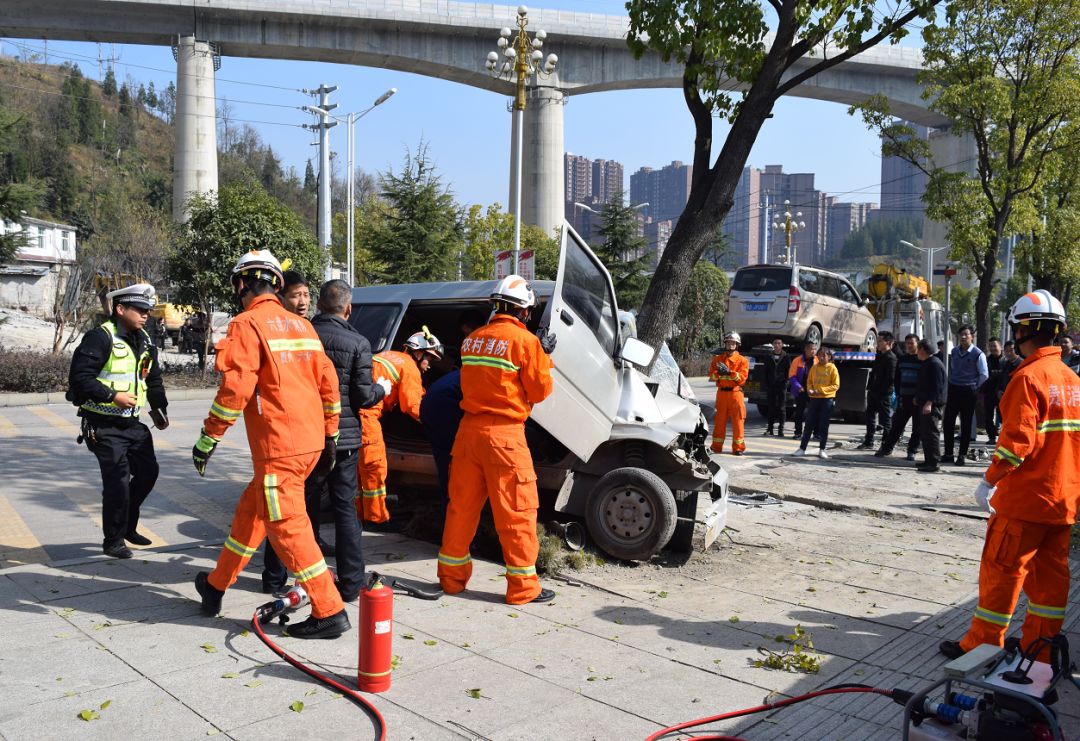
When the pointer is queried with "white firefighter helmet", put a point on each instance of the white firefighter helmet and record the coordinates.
(733, 336)
(425, 341)
(1035, 307)
(513, 289)
(260, 264)
(141, 295)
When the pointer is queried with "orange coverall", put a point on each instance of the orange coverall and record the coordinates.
(729, 400)
(1036, 469)
(504, 372)
(276, 374)
(401, 370)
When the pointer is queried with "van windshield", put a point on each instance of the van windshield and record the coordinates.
(762, 279)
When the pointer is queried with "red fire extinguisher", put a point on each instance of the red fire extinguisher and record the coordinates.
(376, 636)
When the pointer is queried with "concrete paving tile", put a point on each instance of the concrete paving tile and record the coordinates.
(128, 606)
(506, 695)
(136, 709)
(159, 648)
(35, 673)
(44, 628)
(257, 692)
(341, 718)
(49, 583)
(580, 718)
(482, 624)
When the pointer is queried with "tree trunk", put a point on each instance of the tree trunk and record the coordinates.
(986, 287)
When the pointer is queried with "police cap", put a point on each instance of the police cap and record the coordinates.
(140, 295)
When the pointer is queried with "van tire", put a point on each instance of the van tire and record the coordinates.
(870, 344)
(631, 514)
(813, 334)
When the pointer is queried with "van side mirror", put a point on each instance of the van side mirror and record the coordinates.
(637, 352)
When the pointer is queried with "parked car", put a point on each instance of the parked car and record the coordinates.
(625, 452)
(798, 304)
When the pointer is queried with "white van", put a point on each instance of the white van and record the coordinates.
(626, 452)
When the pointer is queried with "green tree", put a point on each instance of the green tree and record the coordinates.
(18, 195)
(768, 48)
(1006, 72)
(489, 230)
(151, 96)
(108, 84)
(699, 323)
(421, 234)
(623, 252)
(126, 127)
(1050, 253)
(311, 183)
(220, 228)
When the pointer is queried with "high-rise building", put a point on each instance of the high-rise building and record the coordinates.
(579, 172)
(665, 190)
(657, 234)
(607, 181)
(808, 245)
(902, 186)
(742, 225)
(845, 218)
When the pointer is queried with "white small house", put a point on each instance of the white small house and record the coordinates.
(36, 279)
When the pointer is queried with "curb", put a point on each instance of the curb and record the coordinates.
(11, 399)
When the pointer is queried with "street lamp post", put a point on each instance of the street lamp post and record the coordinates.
(789, 226)
(522, 57)
(929, 261)
(350, 185)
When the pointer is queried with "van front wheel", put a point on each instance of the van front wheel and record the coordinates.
(631, 514)
(813, 335)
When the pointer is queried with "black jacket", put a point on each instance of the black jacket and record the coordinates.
(907, 374)
(88, 360)
(350, 353)
(776, 372)
(932, 385)
(882, 374)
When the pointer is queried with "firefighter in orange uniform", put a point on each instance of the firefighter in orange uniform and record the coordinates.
(399, 375)
(1034, 483)
(729, 370)
(275, 374)
(505, 370)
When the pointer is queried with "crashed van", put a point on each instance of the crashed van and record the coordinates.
(623, 451)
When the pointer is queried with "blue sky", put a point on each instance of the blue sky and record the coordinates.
(468, 130)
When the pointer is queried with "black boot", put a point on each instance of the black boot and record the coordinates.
(951, 649)
(769, 431)
(330, 626)
(211, 595)
(134, 537)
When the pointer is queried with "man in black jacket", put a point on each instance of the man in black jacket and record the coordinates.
(879, 388)
(351, 355)
(114, 371)
(930, 399)
(989, 390)
(906, 381)
(777, 364)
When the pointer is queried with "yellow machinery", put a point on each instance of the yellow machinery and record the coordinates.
(888, 282)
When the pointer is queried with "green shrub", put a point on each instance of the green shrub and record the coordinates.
(33, 372)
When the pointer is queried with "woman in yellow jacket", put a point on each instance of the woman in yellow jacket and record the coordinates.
(822, 383)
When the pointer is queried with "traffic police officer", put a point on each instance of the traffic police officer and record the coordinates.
(113, 373)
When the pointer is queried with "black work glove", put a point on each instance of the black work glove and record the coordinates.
(328, 459)
(723, 368)
(204, 448)
(547, 341)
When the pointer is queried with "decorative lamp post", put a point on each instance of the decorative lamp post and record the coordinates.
(522, 59)
(789, 226)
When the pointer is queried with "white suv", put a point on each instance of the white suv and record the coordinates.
(798, 304)
(626, 452)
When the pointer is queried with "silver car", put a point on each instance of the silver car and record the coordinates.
(625, 452)
(798, 304)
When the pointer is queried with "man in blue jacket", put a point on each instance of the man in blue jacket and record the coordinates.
(967, 372)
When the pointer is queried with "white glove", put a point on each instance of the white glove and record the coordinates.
(983, 494)
(386, 386)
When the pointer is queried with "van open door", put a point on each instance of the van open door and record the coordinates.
(583, 316)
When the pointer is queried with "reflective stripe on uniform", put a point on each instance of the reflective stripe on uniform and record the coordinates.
(301, 344)
(1060, 425)
(373, 493)
(1046, 611)
(738, 441)
(997, 618)
(244, 551)
(224, 413)
(333, 408)
(1008, 456)
(388, 367)
(489, 362)
(452, 561)
(312, 571)
(520, 570)
(273, 507)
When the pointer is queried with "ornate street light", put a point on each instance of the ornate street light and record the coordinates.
(521, 58)
(789, 226)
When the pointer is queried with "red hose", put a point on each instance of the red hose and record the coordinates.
(762, 708)
(367, 707)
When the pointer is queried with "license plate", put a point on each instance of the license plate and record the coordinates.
(756, 307)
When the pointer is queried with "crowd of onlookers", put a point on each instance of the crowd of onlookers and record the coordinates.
(908, 382)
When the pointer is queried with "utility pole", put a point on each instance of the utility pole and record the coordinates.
(323, 127)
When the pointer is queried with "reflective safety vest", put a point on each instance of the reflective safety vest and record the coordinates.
(123, 371)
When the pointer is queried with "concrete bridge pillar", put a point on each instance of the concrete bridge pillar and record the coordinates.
(543, 187)
(955, 153)
(195, 166)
